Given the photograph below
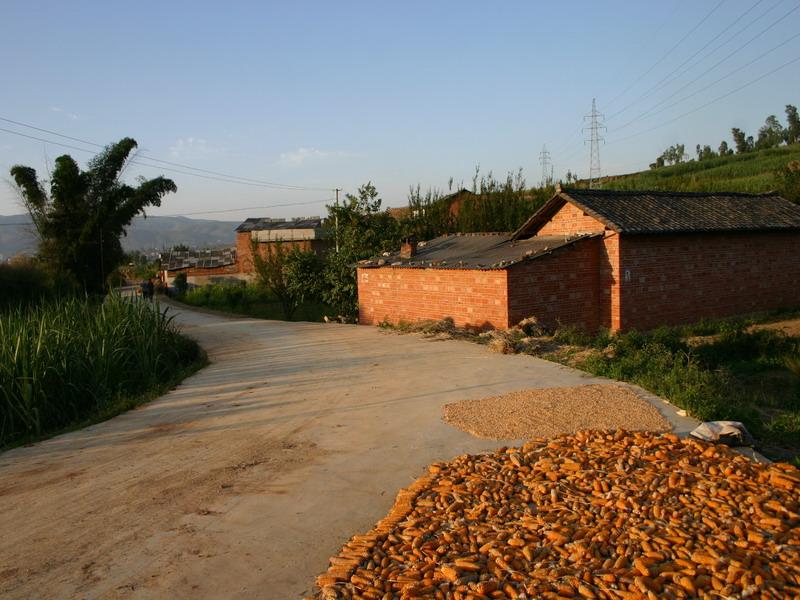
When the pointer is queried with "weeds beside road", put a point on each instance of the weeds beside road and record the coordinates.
(716, 370)
(68, 363)
(251, 300)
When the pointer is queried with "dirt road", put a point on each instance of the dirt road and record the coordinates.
(244, 480)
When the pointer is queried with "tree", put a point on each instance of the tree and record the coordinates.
(743, 143)
(671, 156)
(792, 125)
(270, 270)
(771, 134)
(304, 272)
(723, 149)
(705, 152)
(181, 284)
(81, 220)
(363, 231)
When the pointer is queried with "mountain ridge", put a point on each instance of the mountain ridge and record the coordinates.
(145, 233)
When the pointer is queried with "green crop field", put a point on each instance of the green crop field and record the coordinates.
(753, 172)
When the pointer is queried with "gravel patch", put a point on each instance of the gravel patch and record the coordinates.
(552, 411)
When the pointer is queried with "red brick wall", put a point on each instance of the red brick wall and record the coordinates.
(682, 278)
(245, 255)
(563, 287)
(609, 295)
(470, 297)
(203, 271)
(568, 220)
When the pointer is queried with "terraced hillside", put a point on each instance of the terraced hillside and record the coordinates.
(753, 172)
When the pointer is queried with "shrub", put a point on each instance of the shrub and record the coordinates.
(181, 285)
(25, 282)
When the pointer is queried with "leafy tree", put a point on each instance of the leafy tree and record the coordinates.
(671, 156)
(270, 271)
(771, 134)
(792, 125)
(81, 220)
(723, 149)
(363, 230)
(304, 271)
(499, 204)
(428, 215)
(181, 284)
(742, 142)
(705, 152)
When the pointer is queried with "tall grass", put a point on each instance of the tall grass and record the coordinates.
(252, 300)
(63, 362)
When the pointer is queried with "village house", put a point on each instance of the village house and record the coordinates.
(620, 260)
(304, 233)
(201, 266)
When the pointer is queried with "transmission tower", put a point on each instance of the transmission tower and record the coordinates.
(547, 167)
(595, 125)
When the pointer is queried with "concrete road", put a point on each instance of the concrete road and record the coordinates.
(246, 478)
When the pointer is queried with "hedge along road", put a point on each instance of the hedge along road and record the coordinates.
(246, 478)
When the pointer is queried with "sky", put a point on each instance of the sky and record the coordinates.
(325, 95)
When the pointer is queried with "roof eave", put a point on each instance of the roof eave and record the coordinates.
(493, 267)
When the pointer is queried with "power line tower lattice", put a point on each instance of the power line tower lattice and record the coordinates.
(595, 125)
(547, 167)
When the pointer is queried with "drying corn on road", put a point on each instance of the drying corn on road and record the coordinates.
(242, 482)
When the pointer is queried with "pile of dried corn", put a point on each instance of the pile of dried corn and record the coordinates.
(589, 515)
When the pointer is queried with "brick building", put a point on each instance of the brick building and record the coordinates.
(600, 258)
(306, 234)
(201, 267)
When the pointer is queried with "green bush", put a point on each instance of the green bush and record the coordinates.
(181, 284)
(62, 362)
(26, 283)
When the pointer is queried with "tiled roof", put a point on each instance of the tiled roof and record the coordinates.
(673, 212)
(473, 251)
(203, 259)
(265, 223)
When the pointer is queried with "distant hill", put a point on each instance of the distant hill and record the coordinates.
(753, 172)
(16, 234)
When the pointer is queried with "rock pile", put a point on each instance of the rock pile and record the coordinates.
(590, 515)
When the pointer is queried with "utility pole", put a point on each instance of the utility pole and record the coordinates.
(547, 167)
(336, 219)
(595, 125)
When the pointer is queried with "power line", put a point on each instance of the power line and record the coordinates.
(658, 85)
(715, 65)
(710, 102)
(211, 212)
(132, 161)
(649, 112)
(667, 53)
(158, 167)
(577, 149)
(143, 155)
(244, 208)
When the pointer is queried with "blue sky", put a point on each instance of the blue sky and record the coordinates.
(323, 95)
